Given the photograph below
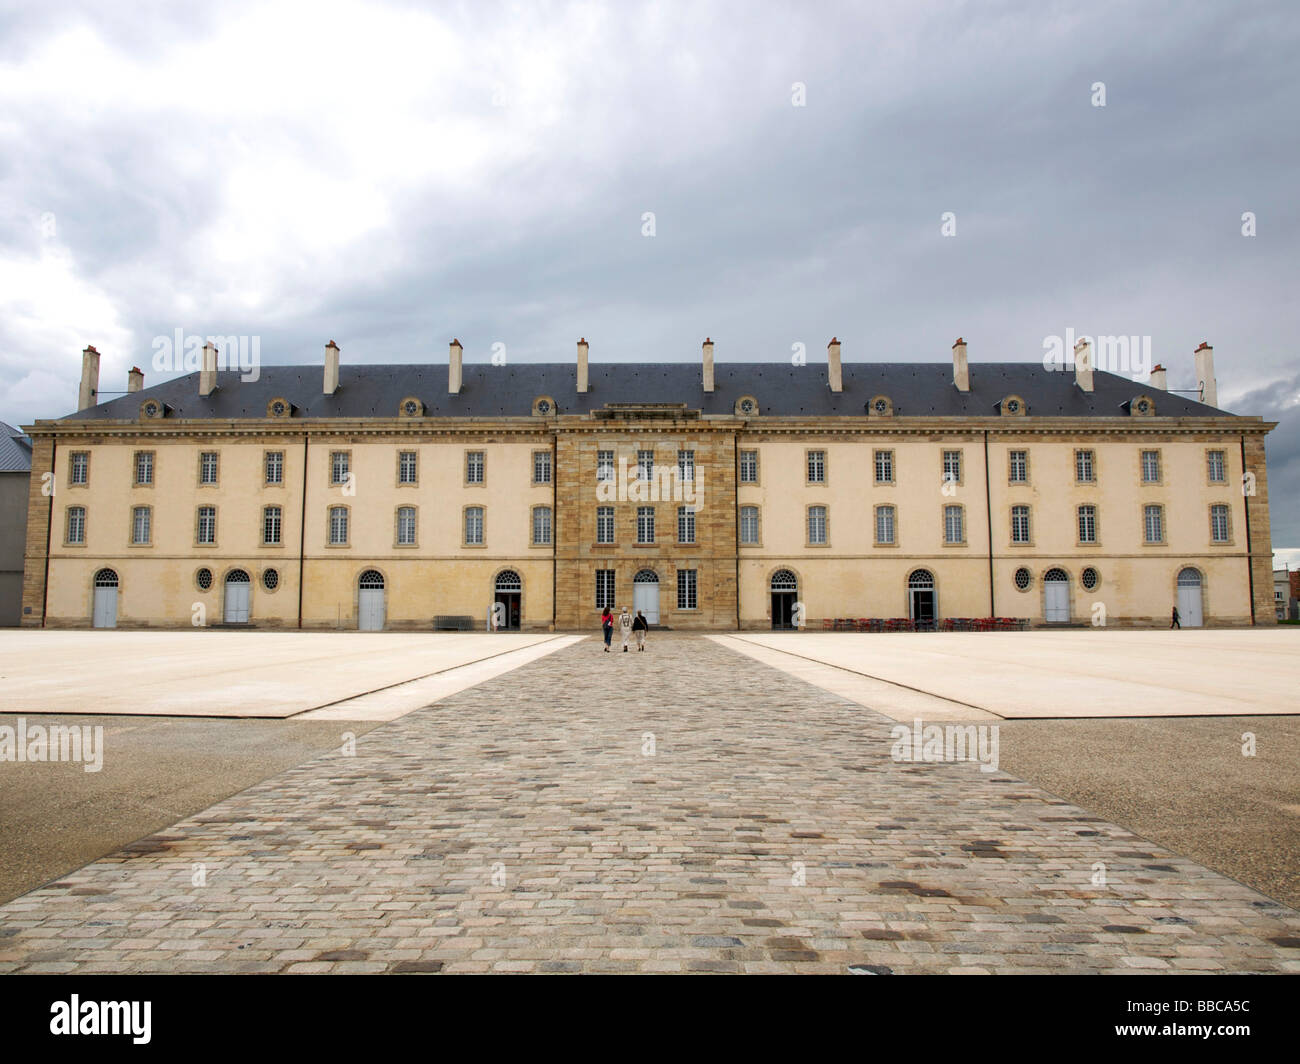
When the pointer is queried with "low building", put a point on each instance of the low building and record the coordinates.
(15, 480)
(711, 496)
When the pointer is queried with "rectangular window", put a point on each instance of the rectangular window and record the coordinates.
(144, 467)
(78, 467)
(207, 530)
(686, 524)
(338, 525)
(645, 465)
(275, 467)
(406, 467)
(952, 466)
(473, 467)
(1084, 472)
(685, 465)
(816, 467)
(541, 467)
(474, 524)
(953, 525)
(1219, 523)
(1020, 524)
(541, 525)
(406, 526)
(141, 519)
(749, 524)
(1153, 522)
(339, 462)
(271, 526)
(604, 588)
(817, 524)
(885, 524)
(1150, 467)
(1087, 524)
(645, 524)
(884, 467)
(76, 524)
(687, 598)
(604, 524)
(604, 465)
(1019, 467)
(1218, 467)
(208, 467)
(749, 467)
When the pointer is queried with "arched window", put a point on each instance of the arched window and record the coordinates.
(921, 580)
(646, 576)
(371, 580)
(106, 578)
(509, 581)
(1189, 577)
(1056, 576)
(784, 580)
(238, 576)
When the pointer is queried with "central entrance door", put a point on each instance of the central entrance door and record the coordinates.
(238, 586)
(921, 598)
(784, 589)
(370, 601)
(1189, 598)
(104, 613)
(645, 595)
(509, 596)
(1056, 596)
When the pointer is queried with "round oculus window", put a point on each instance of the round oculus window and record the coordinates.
(1013, 405)
(1089, 578)
(411, 406)
(881, 406)
(270, 579)
(747, 406)
(1023, 578)
(204, 579)
(543, 407)
(278, 409)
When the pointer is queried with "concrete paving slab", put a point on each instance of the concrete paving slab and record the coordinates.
(1042, 674)
(210, 673)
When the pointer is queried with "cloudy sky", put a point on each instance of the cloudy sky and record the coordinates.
(391, 175)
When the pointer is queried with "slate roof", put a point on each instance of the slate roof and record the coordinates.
(15, 450)
(915, 388)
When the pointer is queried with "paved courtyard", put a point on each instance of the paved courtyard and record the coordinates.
(685, 809)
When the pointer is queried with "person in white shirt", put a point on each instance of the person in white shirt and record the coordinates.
(625, 626)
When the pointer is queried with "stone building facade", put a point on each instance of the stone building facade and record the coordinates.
(714, 497)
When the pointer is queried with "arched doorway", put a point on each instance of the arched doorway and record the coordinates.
(645, 595)
(1056, 596)
(784, 588)
(1189, 598)
(921, 600)
(104, 610)
(509, 598)
(370, 601)
(238, 587)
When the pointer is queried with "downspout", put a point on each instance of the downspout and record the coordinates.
(302, 526)
(49, 531)
(555, 522)
(988, 514)
(1250, 557)
(735, 536)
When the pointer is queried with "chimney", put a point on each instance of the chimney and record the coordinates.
(208, 374)
(134, 379)
(960, 367)
(582, 365)
(708, 364)
(331, 383)
(86, 397)
(1204, 356)
(454, 368)
(1159, 378)
(833, 365)
(1083, 365)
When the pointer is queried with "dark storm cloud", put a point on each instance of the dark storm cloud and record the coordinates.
(775, 224)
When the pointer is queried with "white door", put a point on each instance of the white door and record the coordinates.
(105, 614)
(370, 609)
(1056, 589)
(645, 597)
(1189, 599)
(236, 609)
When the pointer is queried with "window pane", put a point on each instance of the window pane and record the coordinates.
(275, 467)
(749, 467)
(884, 524)
(686, 589)
(605, 524)
(1019, 466)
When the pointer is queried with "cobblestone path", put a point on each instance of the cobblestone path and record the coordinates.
(683, 809)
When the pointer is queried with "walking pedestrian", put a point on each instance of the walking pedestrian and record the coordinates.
(625, 625)
(1175, 623)
(640, 627)
(607, 627)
